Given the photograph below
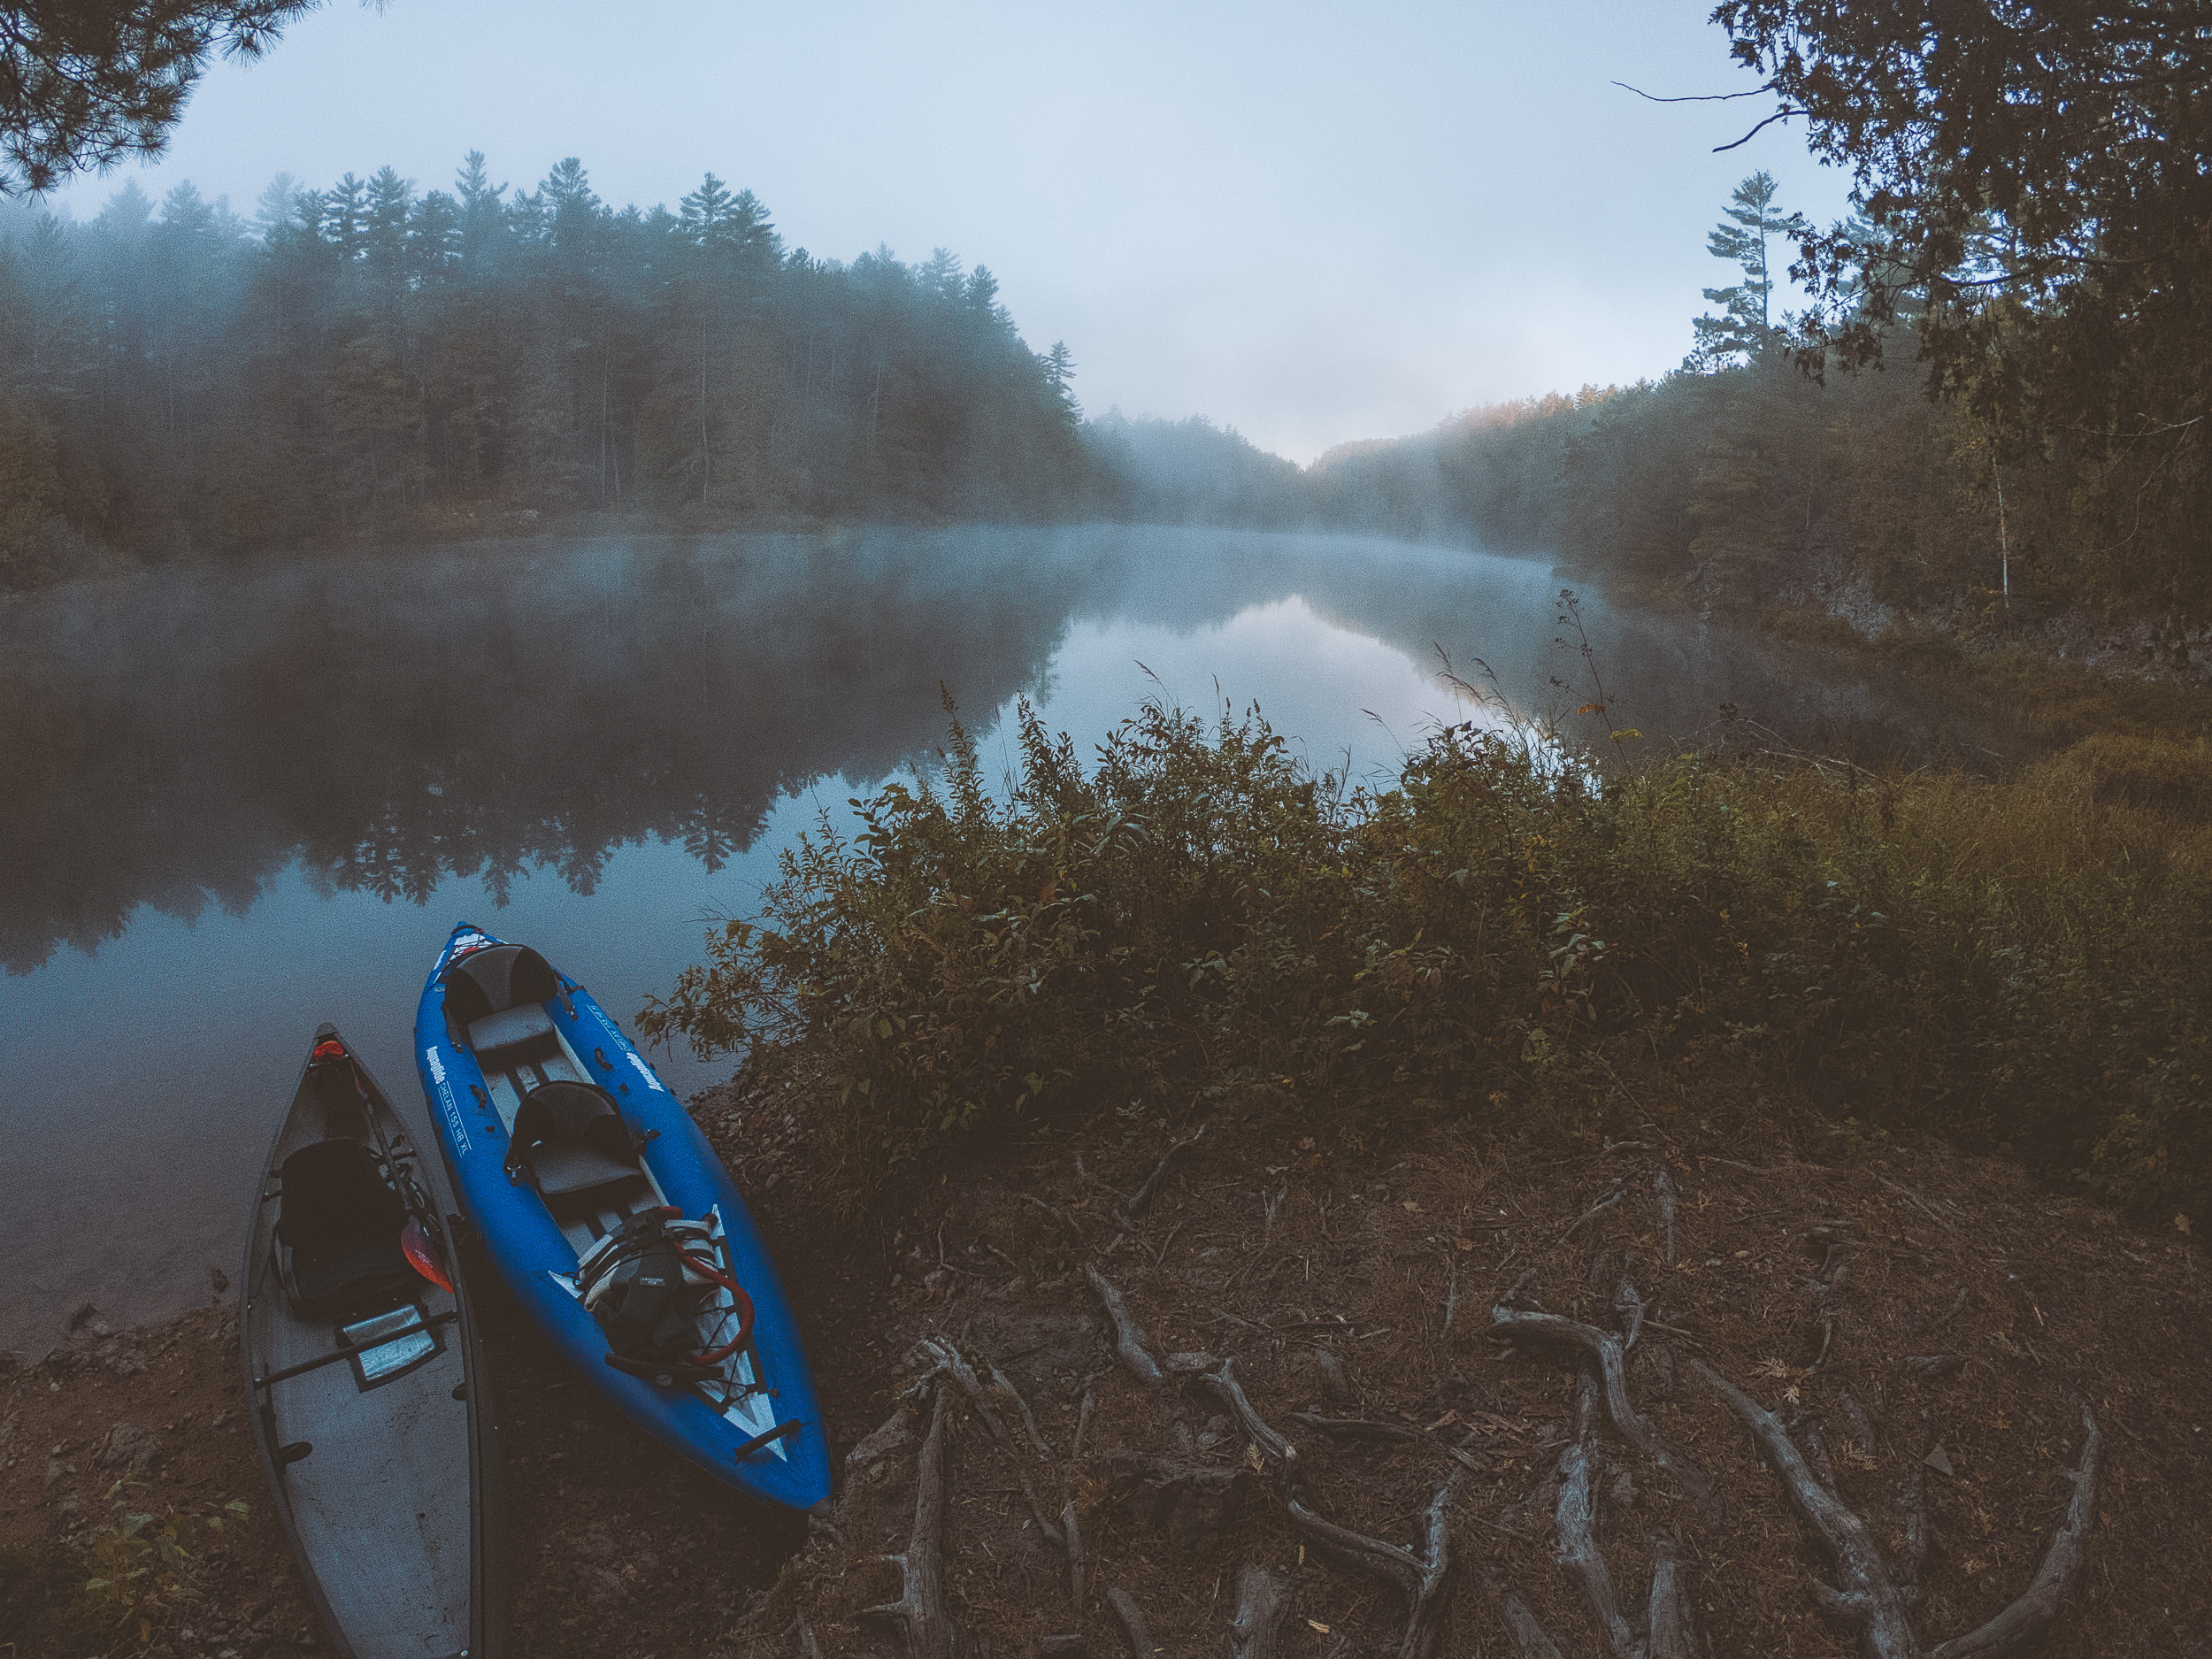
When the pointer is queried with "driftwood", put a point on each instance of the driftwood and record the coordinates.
(1132, 1627)
(919, 1612)
(1263, 1604)
(1606, 1350)
(1128, 1335)
(1871, 1599)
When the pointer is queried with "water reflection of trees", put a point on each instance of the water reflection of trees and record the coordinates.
(176, 741)
(177, 738)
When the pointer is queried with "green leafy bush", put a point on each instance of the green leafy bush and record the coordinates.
(1502, 938)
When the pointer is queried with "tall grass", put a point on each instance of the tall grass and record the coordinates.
(1193, 918)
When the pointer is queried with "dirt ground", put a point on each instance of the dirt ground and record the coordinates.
(1352, 1288)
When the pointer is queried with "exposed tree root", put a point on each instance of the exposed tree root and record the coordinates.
(1606, 1350)
(1528, 1636)
(1128, 1335)
(1871, 1599)
(1263, 1604)
(1667, 1616)
(1628, 1305)
(2054, 1580)
(919, 1612)
(947, 1358)
(1132, 1626)
(1420, 1578)
(1576, 1519)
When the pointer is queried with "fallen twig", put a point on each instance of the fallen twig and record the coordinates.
(1130, 1210)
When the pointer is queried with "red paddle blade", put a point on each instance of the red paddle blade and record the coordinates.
(422, 1253)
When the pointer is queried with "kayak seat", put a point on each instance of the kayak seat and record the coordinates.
(509, 1039)
(493, 980)
(337, 1232)
(572, 1145)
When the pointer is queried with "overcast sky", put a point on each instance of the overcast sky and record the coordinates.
(1310, 222)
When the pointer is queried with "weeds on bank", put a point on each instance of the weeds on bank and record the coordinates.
(1499, 940)
(141, 1574)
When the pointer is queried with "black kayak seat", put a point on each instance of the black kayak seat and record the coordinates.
(506, 1038)
(572, 1145)
(495, 979)
(338, 1229)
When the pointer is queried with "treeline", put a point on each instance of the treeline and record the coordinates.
(1764, 473)
(370, 360)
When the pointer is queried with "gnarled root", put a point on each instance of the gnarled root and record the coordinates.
(2054, 1580)
(947, 1358)
(1132, 1628)
(1128, 1335)
(919, 1612)
(1870, 1599)
(1667, 1616)
(1605, 1349)
(1263, 1604)
(1528, 1636)
(1420, 1578)
(1576, 1519)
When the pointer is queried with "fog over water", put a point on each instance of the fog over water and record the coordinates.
(247, 800)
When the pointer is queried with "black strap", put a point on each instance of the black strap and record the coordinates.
(306, 1366)
(782, 1431)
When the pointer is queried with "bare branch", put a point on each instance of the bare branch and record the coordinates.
(1779, 115)
(1694, 97)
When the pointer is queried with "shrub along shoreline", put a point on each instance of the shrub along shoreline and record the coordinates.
(1716, 946)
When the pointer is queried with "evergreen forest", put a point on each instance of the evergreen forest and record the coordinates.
(373, 361)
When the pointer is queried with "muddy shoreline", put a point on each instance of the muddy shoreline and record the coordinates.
(1327, 1279)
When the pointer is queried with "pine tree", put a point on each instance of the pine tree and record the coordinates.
(1745, 327)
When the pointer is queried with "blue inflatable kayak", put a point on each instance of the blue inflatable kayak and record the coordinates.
(612, 1219)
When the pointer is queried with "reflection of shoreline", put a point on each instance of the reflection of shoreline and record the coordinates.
(178, 736)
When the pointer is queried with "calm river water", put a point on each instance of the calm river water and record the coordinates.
(240, 802)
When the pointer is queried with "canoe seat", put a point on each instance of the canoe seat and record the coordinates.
(337, 1232)
(572, 1145)
(503, 1040)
